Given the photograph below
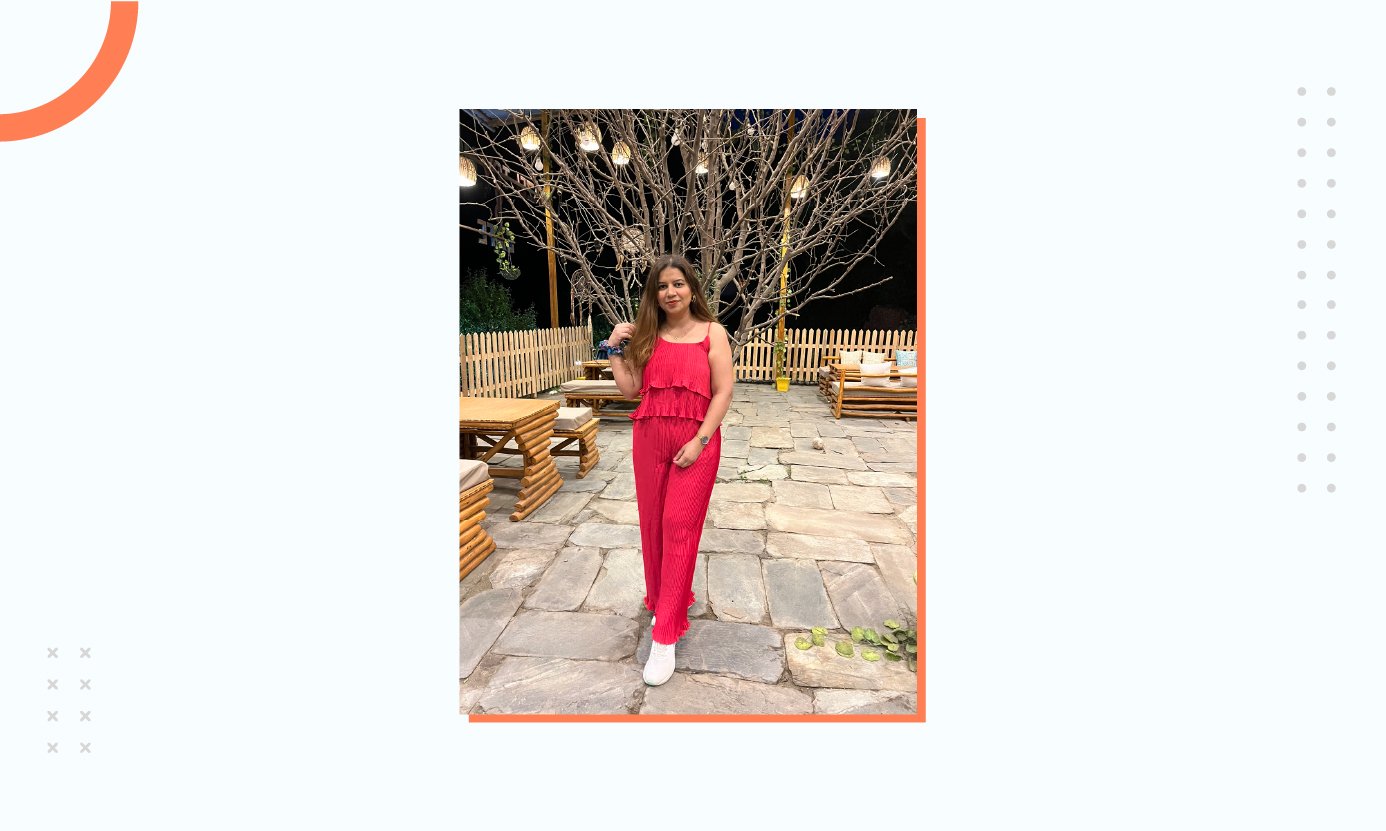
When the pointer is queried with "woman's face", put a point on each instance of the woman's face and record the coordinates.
(674, 291)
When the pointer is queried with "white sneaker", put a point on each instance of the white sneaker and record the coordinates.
(660, 665)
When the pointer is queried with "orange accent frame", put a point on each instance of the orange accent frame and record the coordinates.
(45, 118)
(923, 637)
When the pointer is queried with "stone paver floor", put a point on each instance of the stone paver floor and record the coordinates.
(796, 537)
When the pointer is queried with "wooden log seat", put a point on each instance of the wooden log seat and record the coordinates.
(596, 394)
(888, 393)
(577, 424)
(474, 544)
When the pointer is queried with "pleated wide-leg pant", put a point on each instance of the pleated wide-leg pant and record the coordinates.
(673, 504)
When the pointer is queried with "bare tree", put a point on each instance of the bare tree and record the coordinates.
(740, 193)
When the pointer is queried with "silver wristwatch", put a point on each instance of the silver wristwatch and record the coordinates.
(703, 440)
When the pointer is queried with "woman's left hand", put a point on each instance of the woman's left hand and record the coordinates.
(689, 453)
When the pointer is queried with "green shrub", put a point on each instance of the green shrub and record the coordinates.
(486, 306)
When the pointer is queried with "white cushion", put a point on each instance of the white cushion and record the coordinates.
(571, 418)
(471, 473)
(872, 357)
(850, 358)
(875, 374)
(594, 387)
(909, 376)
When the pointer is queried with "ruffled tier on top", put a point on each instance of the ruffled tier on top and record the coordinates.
(672, 402)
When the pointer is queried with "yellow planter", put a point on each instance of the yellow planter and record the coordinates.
(782, 384)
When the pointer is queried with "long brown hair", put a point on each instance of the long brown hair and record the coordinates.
(651, 315)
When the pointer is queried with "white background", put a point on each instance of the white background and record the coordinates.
(227, 352)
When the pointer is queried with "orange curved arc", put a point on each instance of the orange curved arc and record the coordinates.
(120, 35)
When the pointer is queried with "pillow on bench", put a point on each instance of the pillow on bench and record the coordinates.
(571, 418)
(472, 473)
(875, 374)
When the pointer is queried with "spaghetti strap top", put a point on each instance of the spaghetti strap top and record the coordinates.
(677, 380)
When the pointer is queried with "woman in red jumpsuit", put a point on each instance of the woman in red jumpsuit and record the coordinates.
(678, 360)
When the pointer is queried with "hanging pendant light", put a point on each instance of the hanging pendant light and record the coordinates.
(589, 138)
(799, 188)
(620, 154)
(675, 139)
(539, 163)
(529, 139)
(701, 169)
(467, 171)
(881, 168)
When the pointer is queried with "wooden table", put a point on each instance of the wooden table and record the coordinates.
(487, 425)
(592, 370)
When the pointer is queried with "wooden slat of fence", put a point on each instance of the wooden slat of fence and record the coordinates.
(516, 364)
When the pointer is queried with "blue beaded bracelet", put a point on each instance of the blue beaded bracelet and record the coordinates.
(612, 349)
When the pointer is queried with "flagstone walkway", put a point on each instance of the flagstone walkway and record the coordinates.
(796, 537)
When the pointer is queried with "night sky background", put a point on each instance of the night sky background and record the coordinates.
(888, 306)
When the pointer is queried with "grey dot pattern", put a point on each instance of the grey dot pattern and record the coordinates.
(1308, 239)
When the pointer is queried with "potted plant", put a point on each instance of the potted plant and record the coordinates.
(781, 376)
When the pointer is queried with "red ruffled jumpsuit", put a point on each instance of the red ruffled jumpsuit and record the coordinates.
(676, 391)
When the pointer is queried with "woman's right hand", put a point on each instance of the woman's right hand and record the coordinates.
(621, 331)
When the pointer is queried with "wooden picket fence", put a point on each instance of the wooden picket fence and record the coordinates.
(519, 364)
(808, 349)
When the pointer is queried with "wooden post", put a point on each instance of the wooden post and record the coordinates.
(548, 227)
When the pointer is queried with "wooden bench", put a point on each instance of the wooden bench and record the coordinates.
(577, 424)
(828, 372)
(859, 398)
(596, 394)
(474, 544)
